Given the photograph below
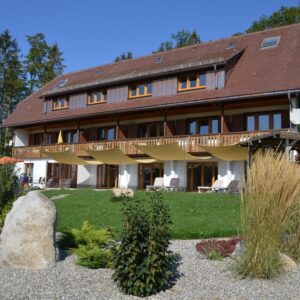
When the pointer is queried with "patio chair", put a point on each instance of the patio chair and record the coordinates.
(174, 185)
(158, 184)
(217, 185)
(232, 187)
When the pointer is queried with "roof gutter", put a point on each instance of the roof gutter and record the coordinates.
(168, 105)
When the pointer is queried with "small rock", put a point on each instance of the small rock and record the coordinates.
(122, 192)
(27, 239)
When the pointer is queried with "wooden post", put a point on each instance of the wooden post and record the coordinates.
(165, 125)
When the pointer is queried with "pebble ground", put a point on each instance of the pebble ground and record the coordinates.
(200, 279)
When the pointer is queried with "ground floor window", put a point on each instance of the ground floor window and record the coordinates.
(107, 176)
(201, 174)
(28, 170)
(61, 175)
(148, 173)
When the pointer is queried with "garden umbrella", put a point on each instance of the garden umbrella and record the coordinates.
(6, 160)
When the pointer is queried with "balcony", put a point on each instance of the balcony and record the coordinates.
(189, 143)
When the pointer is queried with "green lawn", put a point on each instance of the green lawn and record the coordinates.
(193, 215)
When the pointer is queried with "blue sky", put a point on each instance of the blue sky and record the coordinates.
(94, 32)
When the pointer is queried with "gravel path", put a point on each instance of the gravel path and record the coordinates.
(202, 279)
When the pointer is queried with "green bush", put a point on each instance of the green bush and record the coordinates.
(93, 246)
(8, 185)
(142, 263)
(3, 213)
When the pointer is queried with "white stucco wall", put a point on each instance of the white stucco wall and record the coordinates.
(87, 176)
(128, 176)
(21, 138)
(175, 169)
(39, 168)
(231, 170)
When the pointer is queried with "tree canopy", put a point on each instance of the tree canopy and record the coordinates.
(180, 39)
(43, 62)
(284, 16)
(124, 56)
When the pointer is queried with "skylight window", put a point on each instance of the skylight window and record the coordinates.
(61, 83)
(159, 59)
(230, 45)
(98, 72)
(270, 42)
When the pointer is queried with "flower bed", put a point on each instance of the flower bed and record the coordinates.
(216, 248)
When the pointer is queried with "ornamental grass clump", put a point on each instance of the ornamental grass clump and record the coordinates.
(142, 263)
(272, 189)
(290, 237)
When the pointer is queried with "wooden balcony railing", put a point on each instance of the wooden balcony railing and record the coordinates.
(191, 143)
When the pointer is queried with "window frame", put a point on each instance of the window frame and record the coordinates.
(106, 131)
(188, 82)
(55, 106)
(103, 97)
(270, 114)
(198, 121)
(159, 128)
(136, 86)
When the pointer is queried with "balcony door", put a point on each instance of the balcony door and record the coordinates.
(148, 173)
(201, 174)
(107, 176)
(61, 175)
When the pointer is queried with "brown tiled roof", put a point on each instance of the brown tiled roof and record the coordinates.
(258, 71)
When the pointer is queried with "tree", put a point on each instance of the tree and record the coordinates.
(180, 39)
(284, 16)
(12, 80)
(124, 56)
(43, 62)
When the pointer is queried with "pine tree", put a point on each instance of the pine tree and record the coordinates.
(43, 62)
(124, 56)
(180, 39)
(12, 79)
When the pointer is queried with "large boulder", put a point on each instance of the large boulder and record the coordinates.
(27, 239)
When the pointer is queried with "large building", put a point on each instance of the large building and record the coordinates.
(192, 99)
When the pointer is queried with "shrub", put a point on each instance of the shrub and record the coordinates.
(3, 213)
(93, 246)
(217, 249)
(142, 263)
(8, 184)
(271, 190)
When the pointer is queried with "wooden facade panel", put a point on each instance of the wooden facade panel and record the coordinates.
(131, 131)
(221, 79)
(237, 123)
(78, 101)
(210, 80)
(117, 94)
(171, 128)
(164, 87)
(180, 127)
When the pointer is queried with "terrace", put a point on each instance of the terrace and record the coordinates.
(189, 143)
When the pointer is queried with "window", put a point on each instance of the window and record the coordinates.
(250, 123)
(191, 82)
(97, 97)
(140, 90)
(270, 42)
(107, 133)
(204, 126)
(277, 122)
(264, 121)
(70, 136)
(151, 130)
(61, 84)
(60, 103)
(230, 45)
